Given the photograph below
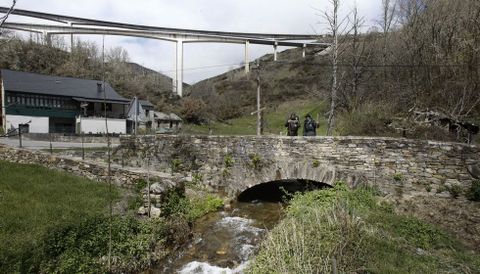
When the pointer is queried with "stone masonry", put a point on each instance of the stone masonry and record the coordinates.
(235, 163)
(126, 177)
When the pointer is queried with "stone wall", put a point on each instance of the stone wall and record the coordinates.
(235, 163)
(94, 170)
(60, 137)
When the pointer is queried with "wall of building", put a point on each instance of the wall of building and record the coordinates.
(97, 125)
(36, 125)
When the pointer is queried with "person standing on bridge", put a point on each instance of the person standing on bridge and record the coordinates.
(292, 125)
(309, 126)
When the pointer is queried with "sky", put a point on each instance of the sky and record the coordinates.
(201, 60)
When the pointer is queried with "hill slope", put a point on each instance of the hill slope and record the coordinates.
(85, 62)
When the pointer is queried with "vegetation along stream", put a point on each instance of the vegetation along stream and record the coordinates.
(225, 241)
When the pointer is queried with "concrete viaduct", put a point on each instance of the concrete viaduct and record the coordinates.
(233, 164)
(75, 25)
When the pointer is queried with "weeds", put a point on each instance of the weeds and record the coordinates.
(361, 233)
(255, 161)
(228, 160)
(176, 165)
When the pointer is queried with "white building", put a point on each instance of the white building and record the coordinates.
(52, 104)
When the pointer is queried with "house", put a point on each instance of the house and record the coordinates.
(142, 113)
(52, 104)
(164, 122)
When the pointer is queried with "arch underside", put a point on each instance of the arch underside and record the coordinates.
(288, 171)
(279, 191)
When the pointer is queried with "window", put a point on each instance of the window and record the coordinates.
(109, 107)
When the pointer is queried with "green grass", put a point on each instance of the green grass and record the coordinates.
(33, 200)
(361, 234)
(274, 120)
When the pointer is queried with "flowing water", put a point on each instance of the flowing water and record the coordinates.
(225, 241)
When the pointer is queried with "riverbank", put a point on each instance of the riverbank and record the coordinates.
(356, 231)
(54, 222)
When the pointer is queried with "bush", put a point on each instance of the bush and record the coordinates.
(361, 233)
(83, 247)
(368, 120)
(455, 191)
(228, 160)
(194, 110)
(473, 193)
(176, 204)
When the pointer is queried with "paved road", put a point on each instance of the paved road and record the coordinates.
(45, 145)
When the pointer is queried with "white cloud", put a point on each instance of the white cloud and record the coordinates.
(272, 16)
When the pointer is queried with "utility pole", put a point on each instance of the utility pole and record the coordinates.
(259, 110)
(20, 135)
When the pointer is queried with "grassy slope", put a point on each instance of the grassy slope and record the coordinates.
(362, 234)
(34, 199)
(274, 120)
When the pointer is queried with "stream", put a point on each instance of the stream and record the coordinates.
(225, 241)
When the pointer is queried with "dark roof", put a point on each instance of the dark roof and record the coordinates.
(146, 103)
(58, 86)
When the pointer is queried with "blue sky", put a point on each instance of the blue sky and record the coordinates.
(272, 16)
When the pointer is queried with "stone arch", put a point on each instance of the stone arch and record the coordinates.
(279, 190)
(293, 171)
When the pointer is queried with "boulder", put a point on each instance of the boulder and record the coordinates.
(156, 188)
(142, 211)
(474, 170)
(155, 212)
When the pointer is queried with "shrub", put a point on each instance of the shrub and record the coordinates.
(455, 191)
(255, 161)
(367, 120)
(361, 233)
(473, 193)
(83, 247)
(197, 178)
(398, 177)
(176, 204)
(228, 160)
(428, 188)
(316, 163)
(176, 165)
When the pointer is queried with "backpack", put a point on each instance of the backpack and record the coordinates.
(310, 126)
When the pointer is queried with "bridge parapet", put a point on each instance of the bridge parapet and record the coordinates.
(236, 163)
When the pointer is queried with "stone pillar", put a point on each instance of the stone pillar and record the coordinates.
(47, 38)
(178, 84)
(247, 62)
(275, 51)
(72, 42)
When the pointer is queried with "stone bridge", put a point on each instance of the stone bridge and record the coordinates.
(234, 164)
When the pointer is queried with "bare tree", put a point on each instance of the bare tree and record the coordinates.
(388, 15)
(359, 54)
(337, 28)
(5, 17)
(332, 18)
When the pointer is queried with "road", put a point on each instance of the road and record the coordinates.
(13, 142)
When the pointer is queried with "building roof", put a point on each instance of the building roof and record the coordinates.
(166, 117)
(146, 104)
(27, 82)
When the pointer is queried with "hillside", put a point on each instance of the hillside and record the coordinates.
(85, 62)
(411, 81)
(233, 94)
